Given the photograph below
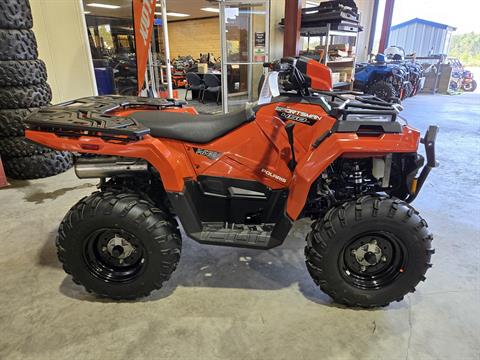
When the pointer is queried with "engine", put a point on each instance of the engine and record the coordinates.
(348, 179)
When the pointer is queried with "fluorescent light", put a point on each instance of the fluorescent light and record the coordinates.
(174, 14)
(104, 6)
(87, 12)
(210, 9)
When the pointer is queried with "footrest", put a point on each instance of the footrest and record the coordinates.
(253, 236)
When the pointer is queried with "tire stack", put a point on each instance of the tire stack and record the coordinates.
(23, 89)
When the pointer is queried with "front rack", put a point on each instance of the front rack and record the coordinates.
(361, 104)
(362, 113)
(89, 116)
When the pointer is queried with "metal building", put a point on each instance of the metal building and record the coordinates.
(422, 37)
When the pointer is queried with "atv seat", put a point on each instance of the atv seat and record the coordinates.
(198, 129)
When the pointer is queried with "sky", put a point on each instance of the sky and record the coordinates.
(462, 14)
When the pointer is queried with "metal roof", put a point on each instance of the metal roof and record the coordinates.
(424, 22)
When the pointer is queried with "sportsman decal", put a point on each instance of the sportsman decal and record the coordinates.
(297, 115)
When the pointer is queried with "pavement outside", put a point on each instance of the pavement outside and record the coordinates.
(229, 303)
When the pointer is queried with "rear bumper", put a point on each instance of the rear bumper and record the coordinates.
(429, 143)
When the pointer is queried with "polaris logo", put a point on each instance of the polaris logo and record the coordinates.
(274, 176)
(145, 19)
(297, 115)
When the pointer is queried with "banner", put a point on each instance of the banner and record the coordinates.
(143, 15)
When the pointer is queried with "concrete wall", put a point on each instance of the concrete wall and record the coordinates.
(59, 27)
(193, 37)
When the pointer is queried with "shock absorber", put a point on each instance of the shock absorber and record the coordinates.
(358, 178)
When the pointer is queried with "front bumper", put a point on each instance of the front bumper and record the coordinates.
(429, 143)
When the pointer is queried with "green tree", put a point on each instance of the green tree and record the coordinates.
(466, 47)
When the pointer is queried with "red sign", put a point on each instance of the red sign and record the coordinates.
(143, 15)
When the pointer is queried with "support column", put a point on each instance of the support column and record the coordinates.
(167, 48)
(387, 24)
(293, 22)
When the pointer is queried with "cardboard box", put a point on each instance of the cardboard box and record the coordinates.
(202, 68)
(341, 47)
(335, 77)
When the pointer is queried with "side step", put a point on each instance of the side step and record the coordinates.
(241, 235)
(261, 236)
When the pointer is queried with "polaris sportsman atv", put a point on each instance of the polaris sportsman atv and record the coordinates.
(348, 162)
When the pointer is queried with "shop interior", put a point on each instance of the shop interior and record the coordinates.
(195, 40)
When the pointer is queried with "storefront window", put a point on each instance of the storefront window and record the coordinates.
(112, 45)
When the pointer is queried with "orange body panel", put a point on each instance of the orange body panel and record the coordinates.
(320, 75)
(257, 150)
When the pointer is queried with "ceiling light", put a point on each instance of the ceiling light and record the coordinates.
(210, 9)
(174, 14)
(104, 6)
(87, 12)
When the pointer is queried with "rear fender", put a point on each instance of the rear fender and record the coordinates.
(313, 165)
(168, 157)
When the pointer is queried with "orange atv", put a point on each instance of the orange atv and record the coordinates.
(346, 161)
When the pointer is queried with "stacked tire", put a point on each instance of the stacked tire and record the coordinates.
(23, 89)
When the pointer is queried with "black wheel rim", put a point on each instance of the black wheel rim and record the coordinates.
(391, 263)
(110, 263)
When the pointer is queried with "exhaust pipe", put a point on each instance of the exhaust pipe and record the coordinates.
(111, 166)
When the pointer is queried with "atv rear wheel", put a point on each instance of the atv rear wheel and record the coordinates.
(369, 252)
(383, 90)
(118, 245)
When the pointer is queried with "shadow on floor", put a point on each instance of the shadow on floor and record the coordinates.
(221, 267)
(39, 197)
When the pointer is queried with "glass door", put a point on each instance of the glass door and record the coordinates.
(244, 29)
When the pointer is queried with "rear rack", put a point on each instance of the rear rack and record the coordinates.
(89, 116)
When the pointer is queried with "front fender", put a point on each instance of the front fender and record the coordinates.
(311, 167)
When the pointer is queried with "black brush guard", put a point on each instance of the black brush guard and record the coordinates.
(429, 142)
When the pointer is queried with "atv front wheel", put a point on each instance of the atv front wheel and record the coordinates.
(470, 86)
(369, 252)
(383, 90)
(118, 245)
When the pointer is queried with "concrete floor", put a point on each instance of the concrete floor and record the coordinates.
(225, 303)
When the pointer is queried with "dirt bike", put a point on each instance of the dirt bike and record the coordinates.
(348, 162)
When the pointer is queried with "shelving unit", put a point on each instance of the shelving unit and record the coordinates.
(327, 38)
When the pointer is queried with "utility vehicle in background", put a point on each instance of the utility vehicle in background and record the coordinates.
(390, 77)
(348, 162)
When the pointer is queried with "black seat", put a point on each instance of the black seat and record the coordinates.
(199, 129)
(194, 83)
(212, 85)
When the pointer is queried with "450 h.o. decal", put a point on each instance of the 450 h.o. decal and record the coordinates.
(212, 155)
(297, 115)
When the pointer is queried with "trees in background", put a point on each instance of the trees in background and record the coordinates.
(466, 47)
